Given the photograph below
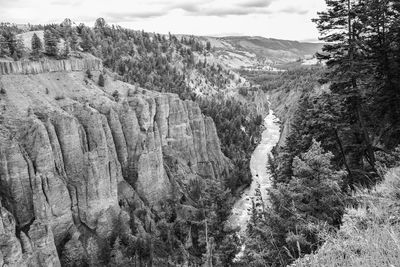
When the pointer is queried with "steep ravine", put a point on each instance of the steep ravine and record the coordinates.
(72, 159)
(257, 192)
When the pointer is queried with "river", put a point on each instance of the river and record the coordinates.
(257, 192)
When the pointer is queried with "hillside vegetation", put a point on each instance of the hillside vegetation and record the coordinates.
(343, 127)
(370, 233)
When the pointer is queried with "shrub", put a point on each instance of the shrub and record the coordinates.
(116, 95)
(89, 74)
(3, 91)
(59, 97)
(386, 160)
(101, 80)
(243, 91)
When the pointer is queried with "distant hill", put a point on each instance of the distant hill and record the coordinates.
(267, 47)
(260, 52)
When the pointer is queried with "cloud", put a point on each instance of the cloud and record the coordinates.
(256, 3)
(221, 8)
(9, 3)
(188, 7)
(151, 9)
(230, 11)
(65, 3)
(294, 10)
(130, 16)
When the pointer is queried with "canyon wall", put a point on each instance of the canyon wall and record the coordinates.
(45, 65)
(70, 155)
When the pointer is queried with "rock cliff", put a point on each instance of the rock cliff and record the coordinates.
(70, 155)
(45, 65)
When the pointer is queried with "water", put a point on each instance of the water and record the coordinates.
(257, 192)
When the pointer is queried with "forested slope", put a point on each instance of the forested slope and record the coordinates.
(341, 136)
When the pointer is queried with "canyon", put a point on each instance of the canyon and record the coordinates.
(72, 157)
(256, 196)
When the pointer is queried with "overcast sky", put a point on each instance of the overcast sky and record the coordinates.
(283, 19)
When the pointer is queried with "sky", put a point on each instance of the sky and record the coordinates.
(282, 19)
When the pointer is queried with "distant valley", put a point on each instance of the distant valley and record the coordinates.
(259, 52)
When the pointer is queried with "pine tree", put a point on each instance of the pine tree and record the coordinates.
(74, 40)
(316, 186)
(20, 48)
(65, 51)
(381, 21)
(4, 49)
(100, 24)
(50, 43)
(15, 56)
(12, 43)
(308, 204)
(208, 46)
(87, 41)
(36, 46)
(16, 46)
(346, 56)
(117, 258)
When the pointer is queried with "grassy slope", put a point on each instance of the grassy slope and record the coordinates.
(370, 234)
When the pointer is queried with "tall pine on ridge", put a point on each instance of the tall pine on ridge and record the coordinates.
(36, 46)
(50, 43)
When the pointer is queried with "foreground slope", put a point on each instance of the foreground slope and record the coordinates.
(370, 233)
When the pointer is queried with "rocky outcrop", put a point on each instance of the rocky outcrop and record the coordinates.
(10, 247)
(35, 249)
(35, 67)
(68, 164)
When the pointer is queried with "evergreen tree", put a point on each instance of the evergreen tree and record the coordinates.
(12, 44)
(20, 48)
(4, 49)
(342, 29)
(66, 50)
(50, 43)
(36, 46)
(87, 41)
(310, 203)
(15, 46)
(15, 56)
(100, 24)
(208, 46)
(74, 40)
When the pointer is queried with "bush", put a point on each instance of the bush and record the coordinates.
(89, 74)
(243, 91)
(116, 95)
(385, 161)
(101, 80)
(3, 91)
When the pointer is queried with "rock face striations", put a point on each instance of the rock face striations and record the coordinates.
(36, 67)
(70, 156)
